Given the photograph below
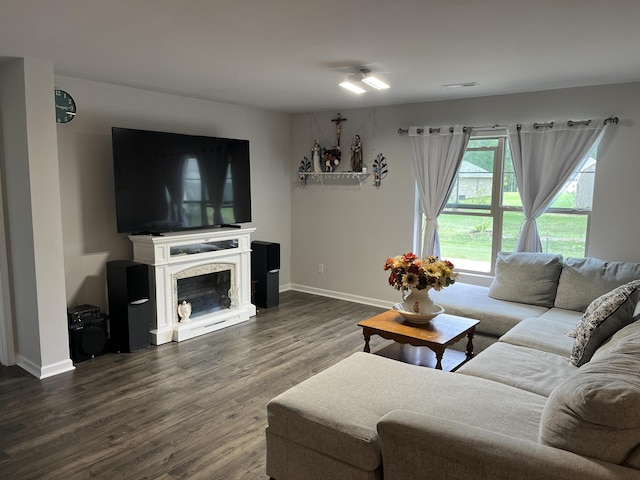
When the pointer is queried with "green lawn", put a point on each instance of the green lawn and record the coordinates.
(467, 237)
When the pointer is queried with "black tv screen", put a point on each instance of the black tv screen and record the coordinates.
(168, 182)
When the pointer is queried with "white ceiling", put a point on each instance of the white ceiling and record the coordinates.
(289, 55)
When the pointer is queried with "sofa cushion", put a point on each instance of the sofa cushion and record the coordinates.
(605, 316)
(336, 411)
(570, 318)
(496, 316)
(527, 277)
(596, 412)
(584, 279)
(633, 460)
(548, 332)
(526, 368)
(625, 341)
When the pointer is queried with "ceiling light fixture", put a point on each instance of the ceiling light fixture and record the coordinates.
(372, 81)
(350, 85)
(355, 80)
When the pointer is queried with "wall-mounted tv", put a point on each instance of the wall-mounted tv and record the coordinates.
(168, 182)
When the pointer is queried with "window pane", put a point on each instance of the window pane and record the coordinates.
(511, 223)
(579, 193)
(562, 233)
(510, 195)
(559, 232)
(466, 241)
(482, 142)
(473, 183)
(510, 198)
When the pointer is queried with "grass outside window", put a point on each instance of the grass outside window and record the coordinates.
(470, 237)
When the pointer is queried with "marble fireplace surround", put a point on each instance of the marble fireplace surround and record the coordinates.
(181, 255)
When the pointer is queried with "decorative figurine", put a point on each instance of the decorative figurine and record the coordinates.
(315, 156)
(184, 310)
(303, 171)
(380, 170)
(356, 154)
(331, 159)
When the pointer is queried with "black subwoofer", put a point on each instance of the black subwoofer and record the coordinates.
(88, 339)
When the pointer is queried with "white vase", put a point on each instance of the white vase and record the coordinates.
(419, 302)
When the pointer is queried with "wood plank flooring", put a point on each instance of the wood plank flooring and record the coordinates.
(188, 410)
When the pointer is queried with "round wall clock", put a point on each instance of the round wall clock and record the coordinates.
(65, 106)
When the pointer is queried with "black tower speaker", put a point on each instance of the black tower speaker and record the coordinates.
(88, 338)
(130, 308)
(265, 271)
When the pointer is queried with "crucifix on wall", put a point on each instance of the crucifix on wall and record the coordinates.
(338, 120)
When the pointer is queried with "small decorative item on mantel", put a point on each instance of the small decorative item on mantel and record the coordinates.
(184, 310)
(303, 171)
(380, 170)
(414, 277)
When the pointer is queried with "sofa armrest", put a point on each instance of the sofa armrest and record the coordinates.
(420, 446)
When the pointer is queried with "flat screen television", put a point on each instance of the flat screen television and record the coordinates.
(167, 182)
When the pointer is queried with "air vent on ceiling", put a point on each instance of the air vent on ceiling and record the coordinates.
(460, 85)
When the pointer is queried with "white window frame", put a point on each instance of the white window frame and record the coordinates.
(496, 210)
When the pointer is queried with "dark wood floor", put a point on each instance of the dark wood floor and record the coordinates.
(189, 410)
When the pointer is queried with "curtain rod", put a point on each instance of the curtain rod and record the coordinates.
(570, 123)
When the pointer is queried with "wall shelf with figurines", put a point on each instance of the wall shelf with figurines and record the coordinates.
(323, 167)
(323, 177)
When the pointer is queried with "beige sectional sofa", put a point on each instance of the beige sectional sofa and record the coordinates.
(521, 409)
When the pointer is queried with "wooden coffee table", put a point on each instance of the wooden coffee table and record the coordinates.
(410, 339)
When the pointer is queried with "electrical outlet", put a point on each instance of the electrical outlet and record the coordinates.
(321, 268)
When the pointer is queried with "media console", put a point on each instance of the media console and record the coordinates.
(186, 266)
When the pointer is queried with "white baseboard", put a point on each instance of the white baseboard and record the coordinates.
(374, 302)
(45, 371)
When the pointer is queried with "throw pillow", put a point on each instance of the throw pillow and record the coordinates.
(625, 341)
(596, 411)
(526, 277)
(604, 317)
(584, 279)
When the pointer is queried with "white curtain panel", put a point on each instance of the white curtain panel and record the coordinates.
(436, 159)
(544, 160)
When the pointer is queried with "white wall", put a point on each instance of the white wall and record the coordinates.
(352, 230)
(86, 172)
(347, 228)
(33, 217)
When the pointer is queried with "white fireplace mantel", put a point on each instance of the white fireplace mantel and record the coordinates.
(173, 254)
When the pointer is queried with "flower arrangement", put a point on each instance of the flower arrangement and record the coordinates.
(409, 271)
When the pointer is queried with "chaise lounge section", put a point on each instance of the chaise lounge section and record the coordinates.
(522, 409)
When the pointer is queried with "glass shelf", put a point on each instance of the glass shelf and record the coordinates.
(324, 176)
(203, 247)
